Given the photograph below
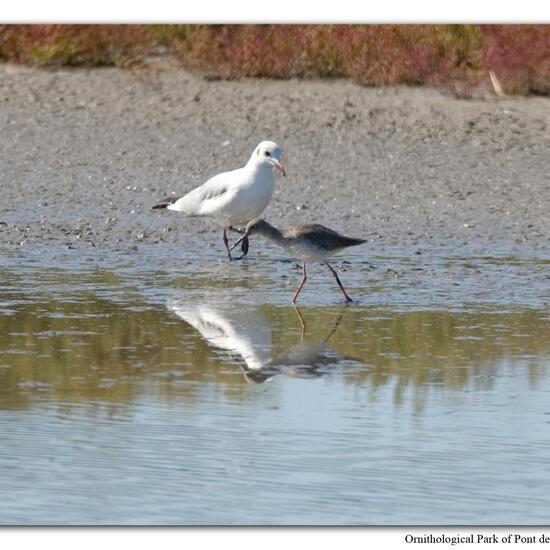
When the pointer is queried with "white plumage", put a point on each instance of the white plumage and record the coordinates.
(231, 199)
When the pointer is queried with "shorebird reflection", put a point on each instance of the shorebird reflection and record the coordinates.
(245, 332)
(306, 359)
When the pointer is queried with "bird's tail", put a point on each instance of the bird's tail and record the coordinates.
(165, 203)
(351, 241)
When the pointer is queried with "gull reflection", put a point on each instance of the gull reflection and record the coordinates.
(246, 332)
(241, 330)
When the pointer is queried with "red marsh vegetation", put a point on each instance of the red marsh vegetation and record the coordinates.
(456, 57)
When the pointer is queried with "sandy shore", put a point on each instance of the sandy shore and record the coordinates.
(85, 153)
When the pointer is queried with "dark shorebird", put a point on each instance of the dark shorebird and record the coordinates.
(309, 243)
(231, 199)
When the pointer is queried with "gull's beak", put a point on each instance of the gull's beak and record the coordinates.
(279, 165)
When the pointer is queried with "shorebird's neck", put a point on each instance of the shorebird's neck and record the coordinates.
(270, 232)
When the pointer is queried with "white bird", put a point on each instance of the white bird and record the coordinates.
(231, 199)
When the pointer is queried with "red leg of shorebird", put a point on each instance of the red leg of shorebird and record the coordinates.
(226, 243)
(302, 283)
(348, 299)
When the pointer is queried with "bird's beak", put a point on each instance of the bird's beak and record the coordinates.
(239, 241)
(279, 165)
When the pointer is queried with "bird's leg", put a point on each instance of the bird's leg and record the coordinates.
(336, 325)
(226, 243)
(302, 283)
(302, 323)
(348, 299)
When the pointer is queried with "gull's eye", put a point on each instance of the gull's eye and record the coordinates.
(267, 154)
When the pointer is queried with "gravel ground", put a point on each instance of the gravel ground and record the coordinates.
(86, 153)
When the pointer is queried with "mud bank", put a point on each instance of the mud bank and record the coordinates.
(84, 154)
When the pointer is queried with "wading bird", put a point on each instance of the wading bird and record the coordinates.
(309, 243)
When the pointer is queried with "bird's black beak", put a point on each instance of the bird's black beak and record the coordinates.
(239, 241)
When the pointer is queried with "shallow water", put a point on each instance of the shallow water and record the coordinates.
(146, 385)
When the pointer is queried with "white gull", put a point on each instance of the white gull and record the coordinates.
(231, 199)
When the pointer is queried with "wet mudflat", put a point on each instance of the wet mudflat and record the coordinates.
(154, 386)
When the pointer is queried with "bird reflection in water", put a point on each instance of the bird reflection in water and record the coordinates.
(245, 332)
(306, 359)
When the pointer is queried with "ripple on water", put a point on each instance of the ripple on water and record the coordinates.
(196, 385)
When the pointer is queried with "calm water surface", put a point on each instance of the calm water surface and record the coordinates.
(138, 389)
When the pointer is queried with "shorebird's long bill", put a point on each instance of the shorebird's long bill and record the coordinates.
(238, 242)
(279, 165)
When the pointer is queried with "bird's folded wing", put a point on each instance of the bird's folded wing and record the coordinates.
(198, 201)
(323, 237)
(216, 201)
(216, 192)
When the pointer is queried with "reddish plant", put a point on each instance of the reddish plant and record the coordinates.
(459, 56)
(519, 55)
(74, 44)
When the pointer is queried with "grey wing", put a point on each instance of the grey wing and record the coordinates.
(199, 201)
(326, 238)
(213, 194)
(322, 236)
(213, 189)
